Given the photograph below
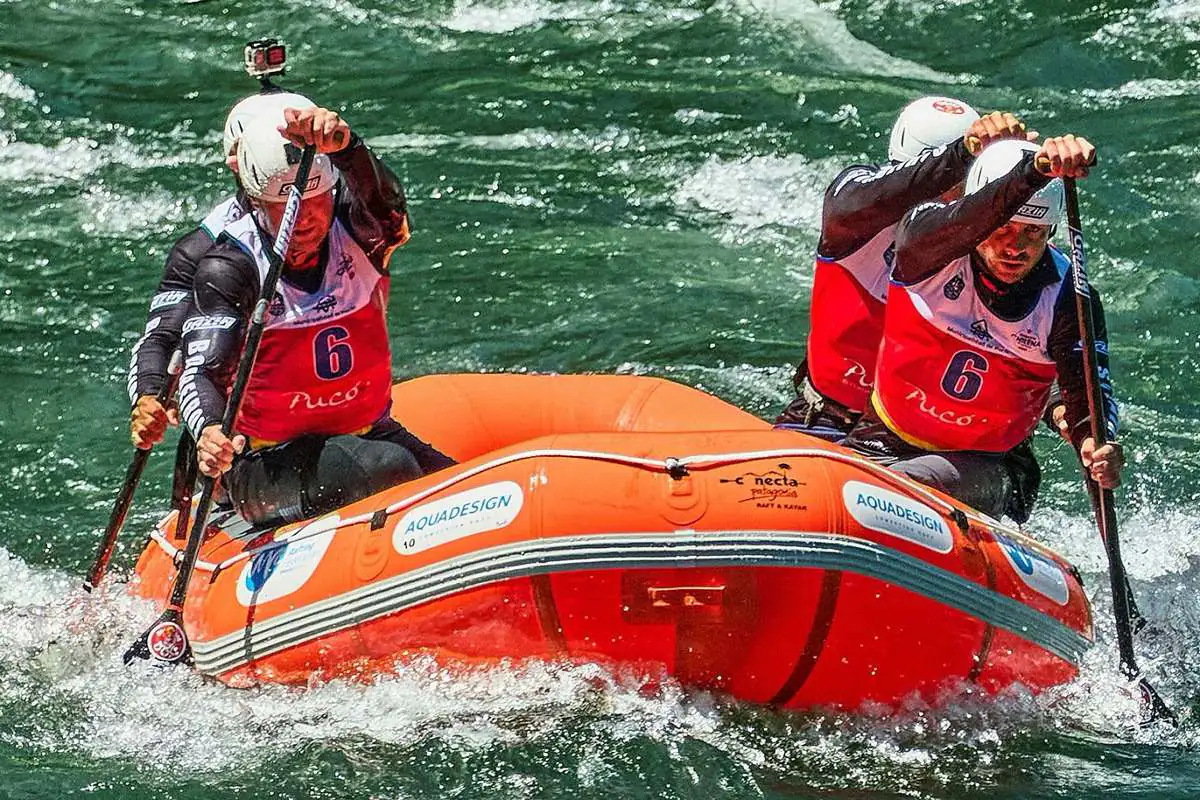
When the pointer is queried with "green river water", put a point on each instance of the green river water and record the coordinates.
(596, 185)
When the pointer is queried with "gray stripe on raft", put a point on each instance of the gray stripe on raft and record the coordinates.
(680, 550)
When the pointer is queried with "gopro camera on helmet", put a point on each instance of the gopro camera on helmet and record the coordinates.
(264, 58)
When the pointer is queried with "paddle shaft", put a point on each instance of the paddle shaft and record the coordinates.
(133, 476)
(1106, 518)
(173, 615)
(249, 351)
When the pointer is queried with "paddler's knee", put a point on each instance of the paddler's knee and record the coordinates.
(982, 481)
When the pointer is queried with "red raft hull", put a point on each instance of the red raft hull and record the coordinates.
(632, 520)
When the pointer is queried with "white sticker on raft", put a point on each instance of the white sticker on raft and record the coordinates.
(484, 508)
(1038, 572)
(279, 571)
(890, 512)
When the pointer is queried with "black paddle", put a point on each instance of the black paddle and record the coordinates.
(166, 641)
(133, 476)
(1106, 516)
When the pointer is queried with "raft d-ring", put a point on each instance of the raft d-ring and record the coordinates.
(676, 469)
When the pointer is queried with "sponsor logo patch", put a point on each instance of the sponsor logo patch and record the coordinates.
(954, 287)
(478, 510)
(892, 513)
(774, 488)
(164, 299)
(1035, 570)
(280, 570)
(1027, 339)
(1032, 211)
(167, 641)
(208, 323)
(949, 107)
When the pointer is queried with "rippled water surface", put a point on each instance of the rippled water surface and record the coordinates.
(596, 185)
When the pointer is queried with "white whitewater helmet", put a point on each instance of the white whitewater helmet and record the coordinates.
(267, 164)
(258, 105)
(1046, 207)
(927, 123)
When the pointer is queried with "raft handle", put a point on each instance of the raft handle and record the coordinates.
(676, 468)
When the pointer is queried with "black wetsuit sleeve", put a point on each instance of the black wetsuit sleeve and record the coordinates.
(374, 207)
(863, 200)
(226, 289)
(169, 308)
(932, 235)
(1067, 352)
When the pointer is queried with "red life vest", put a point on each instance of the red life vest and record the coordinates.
(324, 364)
(952, 375)
(846, 320)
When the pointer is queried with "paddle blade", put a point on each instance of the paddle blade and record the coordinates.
(1154, 708)
(163, 643)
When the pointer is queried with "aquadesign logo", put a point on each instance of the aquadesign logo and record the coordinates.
(954, 287)
(774, 488)
(980, 328)
(1035, 570)
(280, 569)
(889, 512)
(478, 510)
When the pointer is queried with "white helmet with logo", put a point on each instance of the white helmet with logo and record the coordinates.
(1046, 207)
(267, 164)
(928, 123)
(258, 105)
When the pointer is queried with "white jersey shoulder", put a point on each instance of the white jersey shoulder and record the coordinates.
(871, 264)
(222, 216)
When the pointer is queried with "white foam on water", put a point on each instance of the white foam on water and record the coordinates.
(34, 166)
(759, 197)
(509, 17)
(841, 47)
(63, 648)
(103, 212)
(13, 89)
(1139, 91)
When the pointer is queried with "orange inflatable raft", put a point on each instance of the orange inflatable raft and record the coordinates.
(628, 519)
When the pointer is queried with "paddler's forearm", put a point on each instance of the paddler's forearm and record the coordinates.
(864, 200)
(377, 194)
(225, 291)
(169, 309)
(932, 235)
(1068, 358)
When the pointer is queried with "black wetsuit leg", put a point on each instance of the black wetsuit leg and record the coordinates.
(312, 475)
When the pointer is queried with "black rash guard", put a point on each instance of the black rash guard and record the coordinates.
(863, 200)
(933, 235)
(169, 309)
(370, 202)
